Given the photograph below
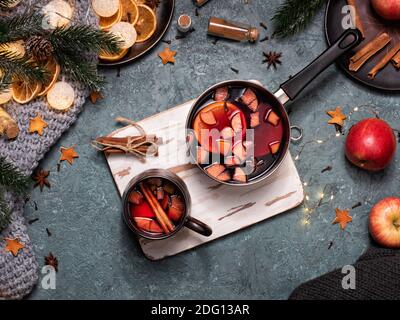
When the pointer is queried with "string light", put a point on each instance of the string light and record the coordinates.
(305, 184)
(305, 221)
(337, 134)
(320, 141)
(307, 197)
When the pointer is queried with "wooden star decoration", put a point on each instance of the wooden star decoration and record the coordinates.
(95, 96)
(337, 116)
(40, 178)
(68, 154)
(167, 55)
(37, 124)
(13, 246)
(342, 217)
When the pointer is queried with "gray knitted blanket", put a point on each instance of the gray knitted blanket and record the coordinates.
(18, 275)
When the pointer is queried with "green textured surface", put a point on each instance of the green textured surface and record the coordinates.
(99, 257)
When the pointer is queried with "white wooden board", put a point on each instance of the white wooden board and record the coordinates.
(225, 209)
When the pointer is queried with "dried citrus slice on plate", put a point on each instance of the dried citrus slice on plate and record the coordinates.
(126, 33)
(106, 23)
(105, 8)
(146, 24)
(61, 96)
(53, 68)
(130, 11)
(24, 92)
(113, 57)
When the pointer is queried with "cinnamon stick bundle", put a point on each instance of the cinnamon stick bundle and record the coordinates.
(384, 61)
(396, 60)
(368, 51)
(357, 19)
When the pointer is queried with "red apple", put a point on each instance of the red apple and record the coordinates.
(371, 144)
(387, 9)
(384, 222)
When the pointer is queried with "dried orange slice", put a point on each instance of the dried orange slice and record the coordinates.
(16, 48)
(53, 68)
(5, 96)
(105, 8)
(24, 92)
(113, 57)
(106, 23)
(146, 24)
(61, 96)
(58, 13)
(126, 33)
(130, 11)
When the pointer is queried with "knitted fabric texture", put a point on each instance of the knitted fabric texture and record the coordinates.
(18, 275)
(377, 277)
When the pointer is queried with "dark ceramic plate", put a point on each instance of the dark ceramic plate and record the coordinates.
(388, 78)
(164, 14)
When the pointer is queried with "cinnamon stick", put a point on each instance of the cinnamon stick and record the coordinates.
(368, 51)
(384, 61)
(161, 216)
(357, 19)
(143, 149)
(124, 140)
(396, 60)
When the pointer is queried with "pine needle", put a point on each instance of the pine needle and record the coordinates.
(20, 27)
(21, 68)
(11, 178)
(6, 4)
(80, 69)
(4, 212)
(294, 16)
(84, 38)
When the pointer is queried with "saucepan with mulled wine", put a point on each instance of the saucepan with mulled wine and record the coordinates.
(239, 133)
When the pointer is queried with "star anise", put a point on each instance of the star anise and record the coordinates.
(51, 260)
(40, 178)
(273, 58)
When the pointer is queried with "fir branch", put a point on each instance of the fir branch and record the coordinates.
(21, 68)
(11, 178)
(294, 16)
(5, 213)
(84, 38)
(6, 4)
(5, 83)
(80, 69)
(20, 27)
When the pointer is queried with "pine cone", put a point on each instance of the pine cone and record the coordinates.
(39, 48)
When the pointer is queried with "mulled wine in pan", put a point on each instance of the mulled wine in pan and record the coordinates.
(236, 134)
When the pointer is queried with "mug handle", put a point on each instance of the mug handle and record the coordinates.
(198, 226)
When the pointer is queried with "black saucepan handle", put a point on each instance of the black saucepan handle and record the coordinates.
(347, 41)
(198, 226)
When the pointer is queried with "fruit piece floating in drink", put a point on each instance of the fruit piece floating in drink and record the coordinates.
(237, 134)
(156, 206)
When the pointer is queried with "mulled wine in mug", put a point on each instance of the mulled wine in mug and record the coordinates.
(157, 205)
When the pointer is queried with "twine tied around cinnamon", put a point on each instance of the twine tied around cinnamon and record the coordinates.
(141, 146)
